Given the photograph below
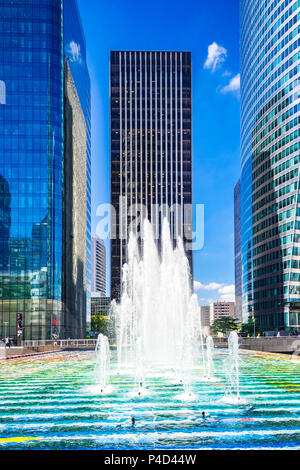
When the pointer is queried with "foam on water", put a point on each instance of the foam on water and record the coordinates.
(97, 390)
(233, 400)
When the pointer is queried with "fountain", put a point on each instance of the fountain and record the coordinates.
(231, 369)
(209, 362)
(157, 321)
(102, 368)
(209, 357)
(188, 349)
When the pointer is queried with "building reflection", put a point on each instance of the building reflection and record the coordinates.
(5, 222)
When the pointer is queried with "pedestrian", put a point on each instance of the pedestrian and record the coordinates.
(7, 343)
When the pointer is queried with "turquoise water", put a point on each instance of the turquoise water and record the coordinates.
(49, 402)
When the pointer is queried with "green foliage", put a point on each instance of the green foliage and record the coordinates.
(225, 325)
(248, 329)
(99, 324)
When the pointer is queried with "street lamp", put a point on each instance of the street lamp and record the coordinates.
(253, 318)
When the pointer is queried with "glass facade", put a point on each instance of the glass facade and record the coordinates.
(270, 222)
(100, 305)
(75, 52)
(151, 146)
(237, 252)
(32, 166)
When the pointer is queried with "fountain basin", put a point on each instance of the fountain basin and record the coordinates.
(45, 405)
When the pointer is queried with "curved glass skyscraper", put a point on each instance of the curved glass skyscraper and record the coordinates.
(270, 206)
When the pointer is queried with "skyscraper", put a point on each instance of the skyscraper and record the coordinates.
(270, 223)
(205, 315)
(151, 147)
(99, 266)
(238, 253)
(44, 169)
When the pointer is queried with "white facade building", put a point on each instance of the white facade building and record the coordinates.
(219, 310)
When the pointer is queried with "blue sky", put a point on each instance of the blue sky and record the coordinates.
(190, 25)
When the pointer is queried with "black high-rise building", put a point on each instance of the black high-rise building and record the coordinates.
(151, 147)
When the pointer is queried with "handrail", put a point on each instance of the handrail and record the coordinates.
(60, 342)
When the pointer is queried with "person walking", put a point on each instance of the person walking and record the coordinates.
(7, 343)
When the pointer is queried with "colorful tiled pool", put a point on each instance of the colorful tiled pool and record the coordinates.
(49, 402)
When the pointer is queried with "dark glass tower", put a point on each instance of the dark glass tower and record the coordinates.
(151, 147)
(270, 171)
(43, 67)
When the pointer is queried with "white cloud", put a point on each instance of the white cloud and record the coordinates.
(233, 86)
(224, 292)
(205, 301)
(227, 289)
(227, 298)
(211, 286)
(197, 285)
(216, 56)
(74, 51)
(227, 294)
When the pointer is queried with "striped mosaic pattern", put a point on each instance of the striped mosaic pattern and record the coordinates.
(50, 403)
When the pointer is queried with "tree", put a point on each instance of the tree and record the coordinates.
(248, 329)
(225, 325)
(99, 324)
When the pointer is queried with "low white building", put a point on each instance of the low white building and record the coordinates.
(219, 310)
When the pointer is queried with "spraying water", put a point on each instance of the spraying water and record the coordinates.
(102, 369)
(231, 367)
(157, 320)
(209, 357)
